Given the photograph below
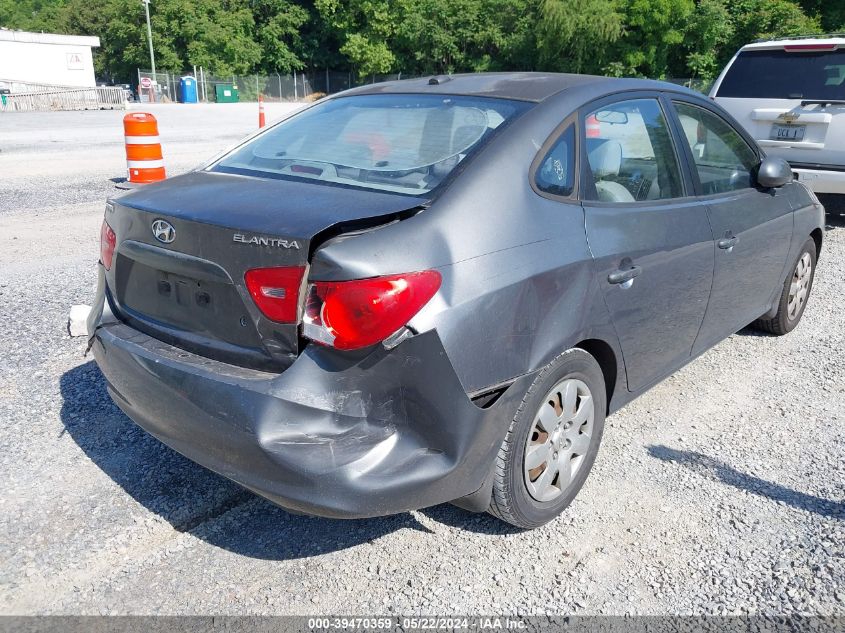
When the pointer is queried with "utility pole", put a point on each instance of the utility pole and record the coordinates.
(150, 37)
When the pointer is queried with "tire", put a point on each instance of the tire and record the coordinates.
(526, 498)
(789, 313)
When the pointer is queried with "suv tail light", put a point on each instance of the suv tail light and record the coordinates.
(108, 241)
(276, 291)
(354, 314)
(797, 48)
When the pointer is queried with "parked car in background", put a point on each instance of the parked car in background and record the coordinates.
(435, 290)
(790, 95)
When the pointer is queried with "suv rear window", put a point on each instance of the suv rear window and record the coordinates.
(407, 143)
(779, 74)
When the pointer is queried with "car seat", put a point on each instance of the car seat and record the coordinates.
(605, 158)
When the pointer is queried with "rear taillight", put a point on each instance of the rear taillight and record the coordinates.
(276, 291)
(108, 241)
(355, 314)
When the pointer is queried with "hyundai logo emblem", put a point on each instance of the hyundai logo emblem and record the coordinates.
(163, 231)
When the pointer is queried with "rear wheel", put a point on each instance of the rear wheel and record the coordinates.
(552, 442)
(795, 293)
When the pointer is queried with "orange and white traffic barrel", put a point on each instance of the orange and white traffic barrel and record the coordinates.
(593, 127)
(144, 160)
(261, 120)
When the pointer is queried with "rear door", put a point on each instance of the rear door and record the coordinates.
(650, 239)
(791, 99)
(752, 227)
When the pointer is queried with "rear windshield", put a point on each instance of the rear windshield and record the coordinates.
(779, 74)
(405, 143)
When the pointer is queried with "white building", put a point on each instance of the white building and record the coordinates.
(46, 58)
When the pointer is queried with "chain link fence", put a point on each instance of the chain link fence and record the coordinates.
(166, 87)
(699, 85)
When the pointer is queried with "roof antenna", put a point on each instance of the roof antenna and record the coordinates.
(436, 81)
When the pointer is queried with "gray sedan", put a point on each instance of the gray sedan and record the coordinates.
(435, 290)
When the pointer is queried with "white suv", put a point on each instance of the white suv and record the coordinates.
(790, 95)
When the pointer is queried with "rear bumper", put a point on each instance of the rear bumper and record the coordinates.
(333, 435)
(821, 180)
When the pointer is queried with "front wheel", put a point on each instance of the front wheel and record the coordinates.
(552, 442)
(795, 293)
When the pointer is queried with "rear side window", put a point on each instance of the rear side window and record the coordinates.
(723, 159)
(407, 143)
(780, 74)
(630, 153)
(556, 172)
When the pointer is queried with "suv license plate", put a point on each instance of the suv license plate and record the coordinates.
(788, 132)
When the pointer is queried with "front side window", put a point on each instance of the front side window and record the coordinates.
(723, 159)
(630, 153)
(556, 172)
(405, 143)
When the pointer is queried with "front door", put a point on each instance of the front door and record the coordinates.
(752, 227)
(651, 241)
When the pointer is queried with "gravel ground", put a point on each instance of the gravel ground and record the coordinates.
(720, 491)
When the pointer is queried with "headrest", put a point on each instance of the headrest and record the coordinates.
(605, 157)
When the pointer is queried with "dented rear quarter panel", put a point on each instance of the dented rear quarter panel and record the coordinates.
(518, 285)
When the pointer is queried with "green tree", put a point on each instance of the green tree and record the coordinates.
(654, 33)
(756, 19)
(278, 32)
(707, 41)
(365, 28)
(216, 34)
(30, 15)
(830, 13)
(120, 25)
(653, 38)
(573, 35)
(443, 36)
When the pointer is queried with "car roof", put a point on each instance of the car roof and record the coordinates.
(800, 41)
(524, 86)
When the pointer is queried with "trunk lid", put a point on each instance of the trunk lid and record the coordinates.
(184, 246)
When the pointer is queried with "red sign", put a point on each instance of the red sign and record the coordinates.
(146, 82)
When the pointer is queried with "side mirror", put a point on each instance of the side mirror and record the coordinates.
(774, 172)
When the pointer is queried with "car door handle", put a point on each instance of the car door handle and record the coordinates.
(622, 276)
(727, 242)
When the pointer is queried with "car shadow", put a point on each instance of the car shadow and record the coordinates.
(478, 522)
(196, 500)
(750, 330)
(192, 498)
(720, 471)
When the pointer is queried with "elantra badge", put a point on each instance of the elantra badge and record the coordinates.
(260, 240)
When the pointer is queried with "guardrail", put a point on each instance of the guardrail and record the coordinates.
(65, 99)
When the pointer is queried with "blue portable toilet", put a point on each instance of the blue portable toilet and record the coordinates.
(188, 90)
